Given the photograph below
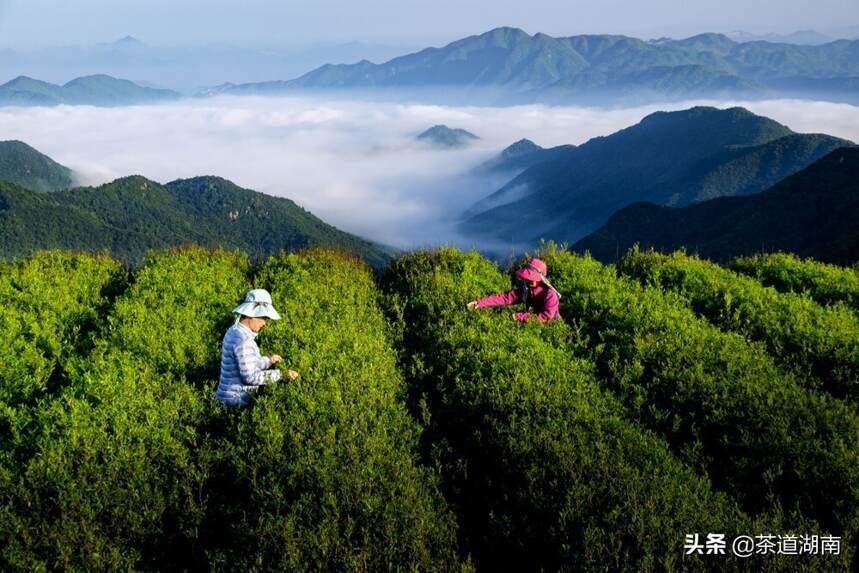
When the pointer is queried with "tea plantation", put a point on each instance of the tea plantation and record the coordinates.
(675, 399)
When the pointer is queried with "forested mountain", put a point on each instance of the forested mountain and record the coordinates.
(21, 164)
(99, 89)
(508, 65)
(812, 213)
(133, 214)
(669, 158)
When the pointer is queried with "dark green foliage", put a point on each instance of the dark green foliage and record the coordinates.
(812, 213)
(543, 471)
(114, 480)
(132, 215)
(717, 398)
(669, 158)
(825, 284)
(321, 474)
(89, 90)
(820, 345)
(262, 225)
(24, 166)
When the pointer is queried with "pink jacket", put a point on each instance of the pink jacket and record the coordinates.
(544, 301)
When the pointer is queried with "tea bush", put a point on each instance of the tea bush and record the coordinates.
(719, 400)
(178, 308)
(115, 480)
(48, 304)
(827, 284)
(119, 460)
(820, 345)
(523, 452)
(321, 472)
(542, 469)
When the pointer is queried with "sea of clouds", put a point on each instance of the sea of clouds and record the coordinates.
(354, 164)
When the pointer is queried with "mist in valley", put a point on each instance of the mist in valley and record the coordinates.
(354, 163)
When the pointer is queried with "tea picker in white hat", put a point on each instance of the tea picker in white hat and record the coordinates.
(243, 369)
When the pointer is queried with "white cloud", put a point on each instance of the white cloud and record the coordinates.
(354, 164)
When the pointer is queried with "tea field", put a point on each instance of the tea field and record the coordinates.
(676, 401)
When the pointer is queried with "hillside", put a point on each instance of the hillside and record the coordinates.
(669, 158)
(24, 166)
(812, 213)
(101, 90)
(133, 214)
(676, 397)
(507, 65)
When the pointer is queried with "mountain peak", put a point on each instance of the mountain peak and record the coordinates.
(24, 80)
(128, 41)
(445, 136)
(730, 126)
(520, 148)
(505, 35)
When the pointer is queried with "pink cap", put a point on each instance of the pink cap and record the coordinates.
(532, 271)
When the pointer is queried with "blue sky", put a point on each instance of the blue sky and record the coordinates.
(31, 23)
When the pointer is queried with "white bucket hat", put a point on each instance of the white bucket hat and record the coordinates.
(257, 304)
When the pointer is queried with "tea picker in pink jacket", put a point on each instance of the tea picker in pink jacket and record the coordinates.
(539, 296)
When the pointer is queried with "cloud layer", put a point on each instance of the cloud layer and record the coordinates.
(354, 164)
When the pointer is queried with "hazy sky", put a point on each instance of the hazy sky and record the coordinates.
(29, 23)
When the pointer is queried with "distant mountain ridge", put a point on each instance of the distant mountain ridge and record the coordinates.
(511, 66)
(102, 90)
(669, 158)
(812, 213)
(24, 166)
(185, 68)
(133, 214)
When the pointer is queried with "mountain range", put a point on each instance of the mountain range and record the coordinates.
(669, 158)
(90, 90)
(186, 68)
(23, 165)
(131, 215)
(812, 213)
(507, 65)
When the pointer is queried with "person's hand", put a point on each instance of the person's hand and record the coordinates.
(472, 305)
(292, 374)
(275, 359)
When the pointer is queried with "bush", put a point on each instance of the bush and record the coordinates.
(49, 303)
(719, 401)
(820, 345)
(115, 480)
(544, 472)
(178, 308)
(827, 284)
(321, 472)
(117, 464)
